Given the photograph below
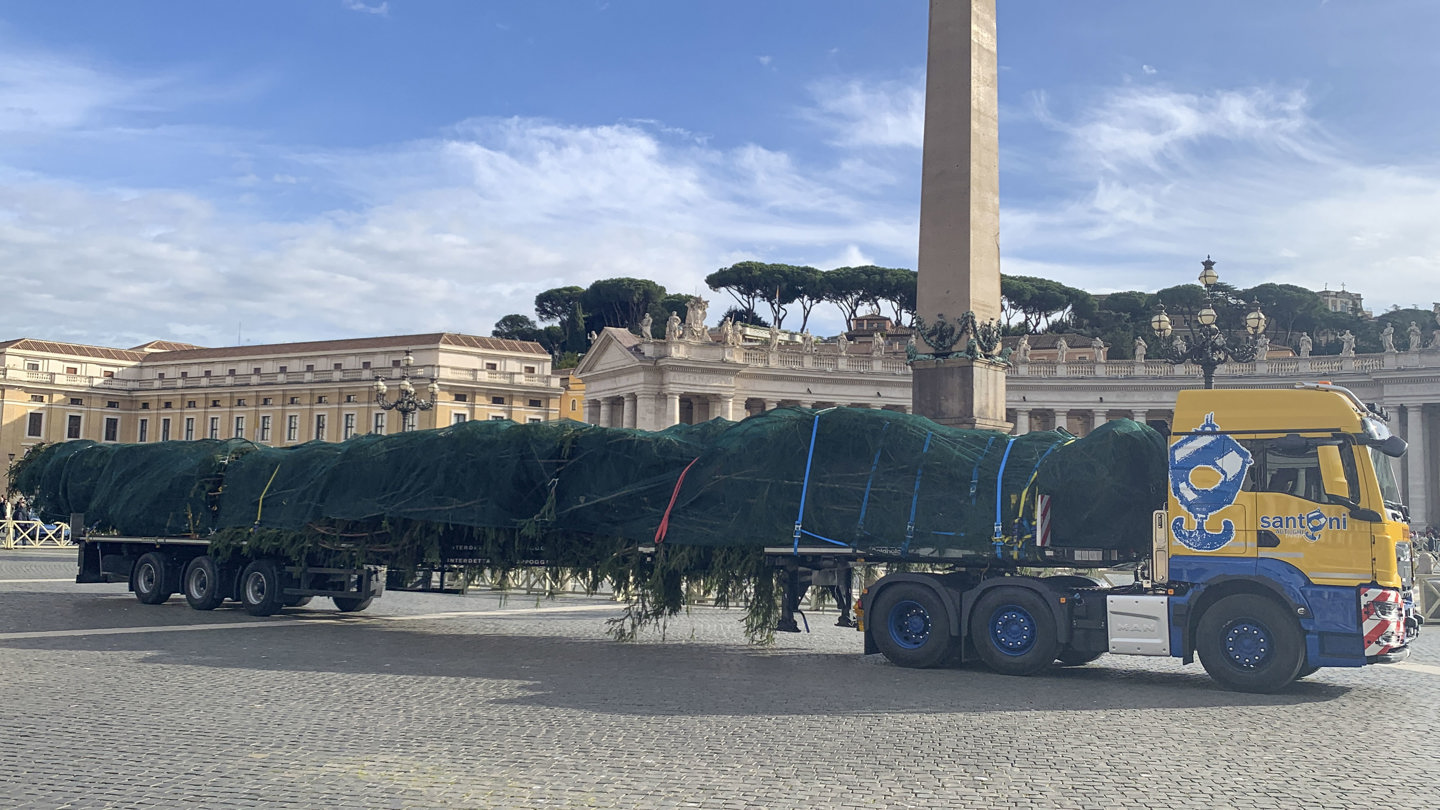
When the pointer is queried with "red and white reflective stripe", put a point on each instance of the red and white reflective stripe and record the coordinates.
(1382, 617)
(1042, 520)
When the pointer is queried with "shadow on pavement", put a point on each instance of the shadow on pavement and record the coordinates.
(669, 679)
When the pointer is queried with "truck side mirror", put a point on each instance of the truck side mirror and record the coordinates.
(1332, 473)
(1394, 447)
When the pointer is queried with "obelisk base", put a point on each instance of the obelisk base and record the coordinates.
(960, 392)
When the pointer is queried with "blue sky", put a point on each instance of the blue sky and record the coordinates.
(308, 169)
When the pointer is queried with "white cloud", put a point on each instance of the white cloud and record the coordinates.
(861, 114)
(382, 9)
(1148, 70)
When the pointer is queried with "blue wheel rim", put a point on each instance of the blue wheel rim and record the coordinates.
(910, 624)
(1012, 630)
(1248, 644)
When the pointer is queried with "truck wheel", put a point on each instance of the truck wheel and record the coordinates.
(1014, 631)
(912, 627)
(297, 601)
(352, 604)
(149, 581)
(261, 591)
(1249, 643)
(204, 589)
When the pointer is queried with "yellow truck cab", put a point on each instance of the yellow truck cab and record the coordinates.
(1283, 513)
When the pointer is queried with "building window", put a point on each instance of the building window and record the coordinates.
(534, 420)
(338, 366)
(284, 369)
(31, 366)
(230, 372)
(491, 367)
(322, 399)
(112, 429)
(239, 427)
(214, 403)
(107, 374)
(144, 434)
(266, 401)
(529, 369)
(160, 376)
(497, 419)
(379, 424)
(457, 419)
(572, 405)
(394, 363)
(462, 397)
(72, 370)
(255, 370)
(319, 427)
(189, 428)
(72, 426)
(365, 364)
(309, 366)
(189, 403)
(37, 397)
(165, 405)
(76, 401)
(348, 429)
(164, 430)
(294, 400)
(112, 404)
(535, 403)
(35, 426)
(265, 428)
(144, 406)
(350, 398)
(207, 372)
(214, 427)
(292, 428)
(239, 403)
(497, 400)
(184, 374)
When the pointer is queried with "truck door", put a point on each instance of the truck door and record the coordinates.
(1301, 524)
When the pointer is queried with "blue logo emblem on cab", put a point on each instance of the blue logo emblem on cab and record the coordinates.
(1207, 448)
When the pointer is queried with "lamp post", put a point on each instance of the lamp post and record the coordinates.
(407, 403)
(1208, 347)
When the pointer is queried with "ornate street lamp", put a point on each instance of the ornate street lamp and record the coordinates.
(1208, 347)
(407, 403)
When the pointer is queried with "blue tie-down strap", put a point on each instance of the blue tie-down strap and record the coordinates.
(869, 482)
(805, 485)
(999, 498)
(915, 497)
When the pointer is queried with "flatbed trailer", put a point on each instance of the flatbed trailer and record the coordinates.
(156, 568)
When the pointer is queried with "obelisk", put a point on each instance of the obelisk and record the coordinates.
(959, 266)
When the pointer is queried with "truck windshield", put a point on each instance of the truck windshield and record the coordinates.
(1389, 489)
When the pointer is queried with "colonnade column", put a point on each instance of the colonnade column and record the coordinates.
(627, 414)
(771, 404)
(592, 411)
(1098, 417)
(1415, 484)
(1139, 415)
(672, 410)
(604, 413)
(1022, 421)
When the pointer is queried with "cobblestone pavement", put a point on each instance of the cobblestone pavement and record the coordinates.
(482, 701)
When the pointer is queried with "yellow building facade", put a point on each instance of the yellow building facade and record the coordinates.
(275, 394)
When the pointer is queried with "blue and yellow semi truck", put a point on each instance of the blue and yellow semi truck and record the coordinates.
(1283, 548)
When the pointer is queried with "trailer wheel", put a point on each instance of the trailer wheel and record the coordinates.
(911, 626)
(352, 604)
(1014, 631)
(261, 591)
(297, 601)
(1249, 643)
(150, 578)
(203, 587)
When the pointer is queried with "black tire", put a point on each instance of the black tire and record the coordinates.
(911, 626)
(1076, 658)
(1306, 671)
(151, 578)
(261, 591)
(297, 601)
(203, 585)
(1249, 643)
(352, 604)
(1013, 630)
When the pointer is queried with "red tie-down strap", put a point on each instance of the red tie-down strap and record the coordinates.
(665, 519)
